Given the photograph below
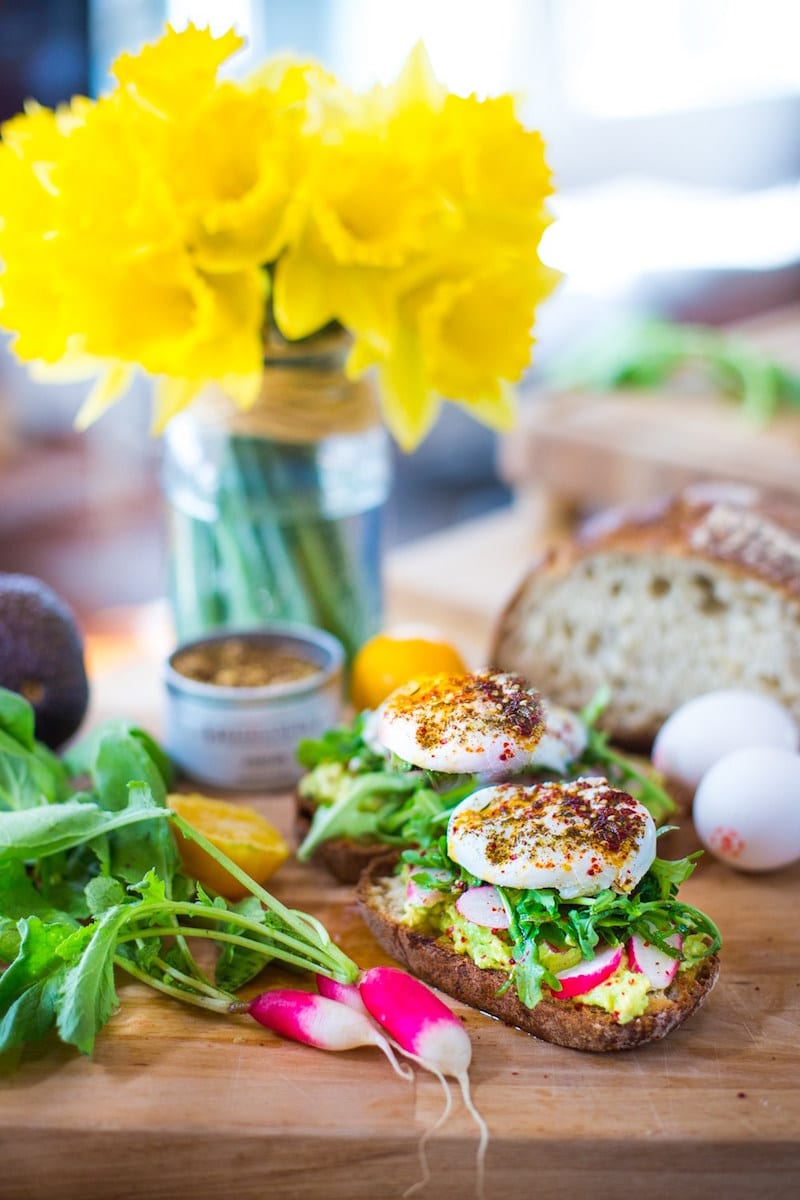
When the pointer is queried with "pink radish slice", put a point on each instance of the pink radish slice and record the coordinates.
(585, 975)
(422, 896)
(483, 906)
(659, 968)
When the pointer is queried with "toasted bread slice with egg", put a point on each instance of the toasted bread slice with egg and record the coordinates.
(565, 1022)
(343, 858)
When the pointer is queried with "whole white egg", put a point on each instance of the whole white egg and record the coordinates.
(747, 808)
(704, 729)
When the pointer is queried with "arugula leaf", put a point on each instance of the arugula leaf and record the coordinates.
(82, 757)
(27, 777)
(357, 811)
(669, 874)
(17, 718)
(133, 851)
(151, 888)
(648, 352)
(337, 745)
(19, 899)
(38, 832)
(87, 996)
(29, 988)
(119, 759)
(102, 893)
(236, 966)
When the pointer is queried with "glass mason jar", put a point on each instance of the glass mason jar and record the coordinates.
(273, 513)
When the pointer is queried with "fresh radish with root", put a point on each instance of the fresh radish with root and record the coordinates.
(344, 993)
(317, 1021)
(483, 906)
(650, 960)
(425, 1029)
(585, 975)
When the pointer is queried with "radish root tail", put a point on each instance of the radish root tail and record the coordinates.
(483, 1138)
(428, 1134)
(400, 1069)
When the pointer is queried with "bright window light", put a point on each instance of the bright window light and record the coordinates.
(218, 17)
(626, 58)
(607, 237)
(470, 42)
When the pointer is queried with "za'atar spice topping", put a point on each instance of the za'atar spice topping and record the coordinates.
(472, 705)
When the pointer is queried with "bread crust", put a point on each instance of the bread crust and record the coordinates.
(731, 532)
(750, 532)
(562, 1022)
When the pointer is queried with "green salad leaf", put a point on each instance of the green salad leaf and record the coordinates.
(91, 883)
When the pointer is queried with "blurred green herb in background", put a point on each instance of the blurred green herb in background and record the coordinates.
(648, 353)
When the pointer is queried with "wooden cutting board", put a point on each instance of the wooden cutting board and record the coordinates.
(177, 1103)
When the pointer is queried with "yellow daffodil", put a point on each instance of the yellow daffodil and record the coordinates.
(178, 71)
(240, 198)
(162, 225)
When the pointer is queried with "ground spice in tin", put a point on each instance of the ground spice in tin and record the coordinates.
(241, 662)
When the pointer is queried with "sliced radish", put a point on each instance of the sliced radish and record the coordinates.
(654, 963)
(483, 906)
(589, 973)
(421, 896)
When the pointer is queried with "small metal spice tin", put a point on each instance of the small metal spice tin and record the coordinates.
(246, 737)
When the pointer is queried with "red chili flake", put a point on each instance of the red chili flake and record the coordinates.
(483, 701)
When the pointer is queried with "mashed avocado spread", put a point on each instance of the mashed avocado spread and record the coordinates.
(624, 994)
(486, 949)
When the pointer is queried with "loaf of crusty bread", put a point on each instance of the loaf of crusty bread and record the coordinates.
(661, 604)
(381, 895)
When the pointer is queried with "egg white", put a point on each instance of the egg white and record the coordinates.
(486, 723)
(564, 739)
(551, 836)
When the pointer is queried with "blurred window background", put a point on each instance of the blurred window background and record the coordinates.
(673, 133)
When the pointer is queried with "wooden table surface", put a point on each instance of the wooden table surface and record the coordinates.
(177, 1103)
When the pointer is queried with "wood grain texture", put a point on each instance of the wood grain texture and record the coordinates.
(175, 1102)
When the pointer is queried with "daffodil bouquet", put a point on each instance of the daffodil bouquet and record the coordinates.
(168, 224)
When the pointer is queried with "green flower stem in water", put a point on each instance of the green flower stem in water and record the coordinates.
(277, 544)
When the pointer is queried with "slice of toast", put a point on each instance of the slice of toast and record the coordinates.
(342, 857)
(380, 895)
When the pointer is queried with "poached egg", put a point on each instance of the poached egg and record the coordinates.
(564, 739)
(483, 723)
(576, 837)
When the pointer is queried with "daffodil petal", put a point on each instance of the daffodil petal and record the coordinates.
(498, 411)
(173, 72)
(416, 85)
(410, 405)
(170, 396)
(302, 296)
(108, 388)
